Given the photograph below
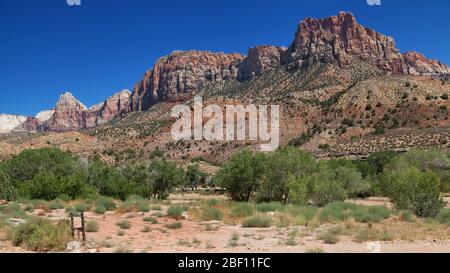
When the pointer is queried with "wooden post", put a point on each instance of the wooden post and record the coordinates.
(72, 227)
(83, 227)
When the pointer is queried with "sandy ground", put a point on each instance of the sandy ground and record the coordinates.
(215, 236)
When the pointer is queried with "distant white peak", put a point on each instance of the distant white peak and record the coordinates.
(96, 107)
(9, 122)
(45, 115)
(67, 100)
(123, 93)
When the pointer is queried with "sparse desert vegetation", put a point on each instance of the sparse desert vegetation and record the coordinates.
(314, 206)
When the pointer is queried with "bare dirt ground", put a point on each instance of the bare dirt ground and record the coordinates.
(216, 236)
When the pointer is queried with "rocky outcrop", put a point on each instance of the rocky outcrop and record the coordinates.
(340, 39)
(183, 72)
(259, 60)
(9, 122)
(68, 115)
(113, 107)
(418, 64)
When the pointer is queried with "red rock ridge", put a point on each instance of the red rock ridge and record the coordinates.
(183, 72)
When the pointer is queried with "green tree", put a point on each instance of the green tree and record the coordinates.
(416, 190)
(242, 175)
(7, 190)
(164, 177)
(195, 176)
(283, 167)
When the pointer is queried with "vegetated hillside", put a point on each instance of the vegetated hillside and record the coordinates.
(324, 109)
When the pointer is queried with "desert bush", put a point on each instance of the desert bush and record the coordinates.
(415, 190)
(304, 215)
(340, 212)
(100, 209)
(106, 202)
(42, 235)
(212, 202)
(124, 224)
(175, 225)
(146, 229)
(209, 214)
(143, 206)
(151, 220)
(242, 210)
(406, 216)
(92, 226)
(257, 221)
(329, 238)
(444, 217)
(269, 207)
(56, 204)
(82, 207)
(175, 211)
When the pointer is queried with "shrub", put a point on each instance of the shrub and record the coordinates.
(444, 216)
(212, 202)
(242, 210)
(258, 221)
(406, 216)
(100, 209)
(55, 205)
(175, 211)
(82, 207)
(269, 207)
(412, 189)
(212, 214)
(143, 206)
(146, 229)
(106, 202)
(71, 211)
(303, 214)
(7, 190)
(151, 220)
(124, 224)
(92, 226)
(175, 225)
(329, 238)
(340, 212)
(42, 235)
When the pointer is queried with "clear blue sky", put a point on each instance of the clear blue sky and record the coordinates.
(48, 47)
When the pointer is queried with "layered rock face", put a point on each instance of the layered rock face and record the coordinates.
(340, 38)
(114, 106)
(71, 114)
(418, 64)
(183, 72)
(68, 114)
(9, 122)
(259, 60)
